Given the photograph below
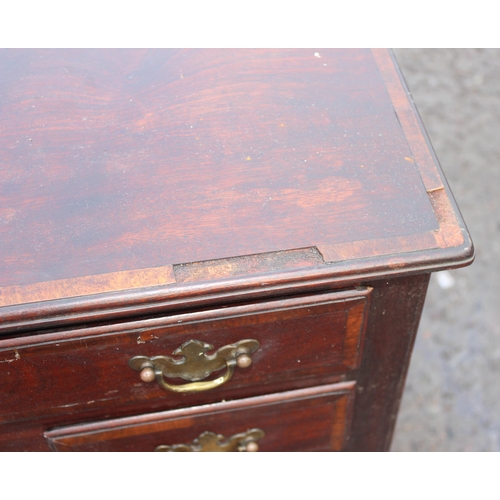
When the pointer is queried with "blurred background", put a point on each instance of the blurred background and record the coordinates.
(452, 396)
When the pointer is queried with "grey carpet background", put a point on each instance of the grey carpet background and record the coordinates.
(452, 396)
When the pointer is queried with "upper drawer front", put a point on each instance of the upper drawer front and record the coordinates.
(314, 419)
(83, 370)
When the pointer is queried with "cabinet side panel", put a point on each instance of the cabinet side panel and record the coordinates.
(395, 312)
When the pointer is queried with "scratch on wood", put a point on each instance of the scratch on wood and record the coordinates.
(87, 402)
(17, 357)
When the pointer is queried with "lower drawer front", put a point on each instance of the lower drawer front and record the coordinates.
(313, 419)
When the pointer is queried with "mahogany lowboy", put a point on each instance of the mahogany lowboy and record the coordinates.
(212, 250)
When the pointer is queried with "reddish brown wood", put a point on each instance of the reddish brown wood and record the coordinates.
(86, 285)
(148, 158)
(70, 372)
(421, 149)
(148, 197)
(305, 420)
(248, 265)
(122, 160)
(395, 312)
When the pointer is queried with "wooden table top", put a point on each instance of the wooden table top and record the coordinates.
(129, 169)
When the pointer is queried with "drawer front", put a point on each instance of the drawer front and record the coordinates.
(88, 369)
(314, 419)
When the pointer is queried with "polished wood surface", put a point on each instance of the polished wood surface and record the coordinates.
(117, 162)
(72, 373)
(314, 419)
(394, 313)
(396, 308)
(151, 197)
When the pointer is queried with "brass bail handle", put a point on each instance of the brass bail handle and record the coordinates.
(195, 365)
(209, 441)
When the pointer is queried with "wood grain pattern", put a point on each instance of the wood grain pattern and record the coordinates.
(149, 197)
(394, 311)
(314, 419)
(221, 163)
(354, 335)
(396, 307)
(86, 285)
(421, 150)
(71, 372)
(115, 160)
(450, 233)
(248, 264)
(377, 247)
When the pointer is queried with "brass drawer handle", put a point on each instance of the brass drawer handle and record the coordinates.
(195, 364)
(209, 441)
